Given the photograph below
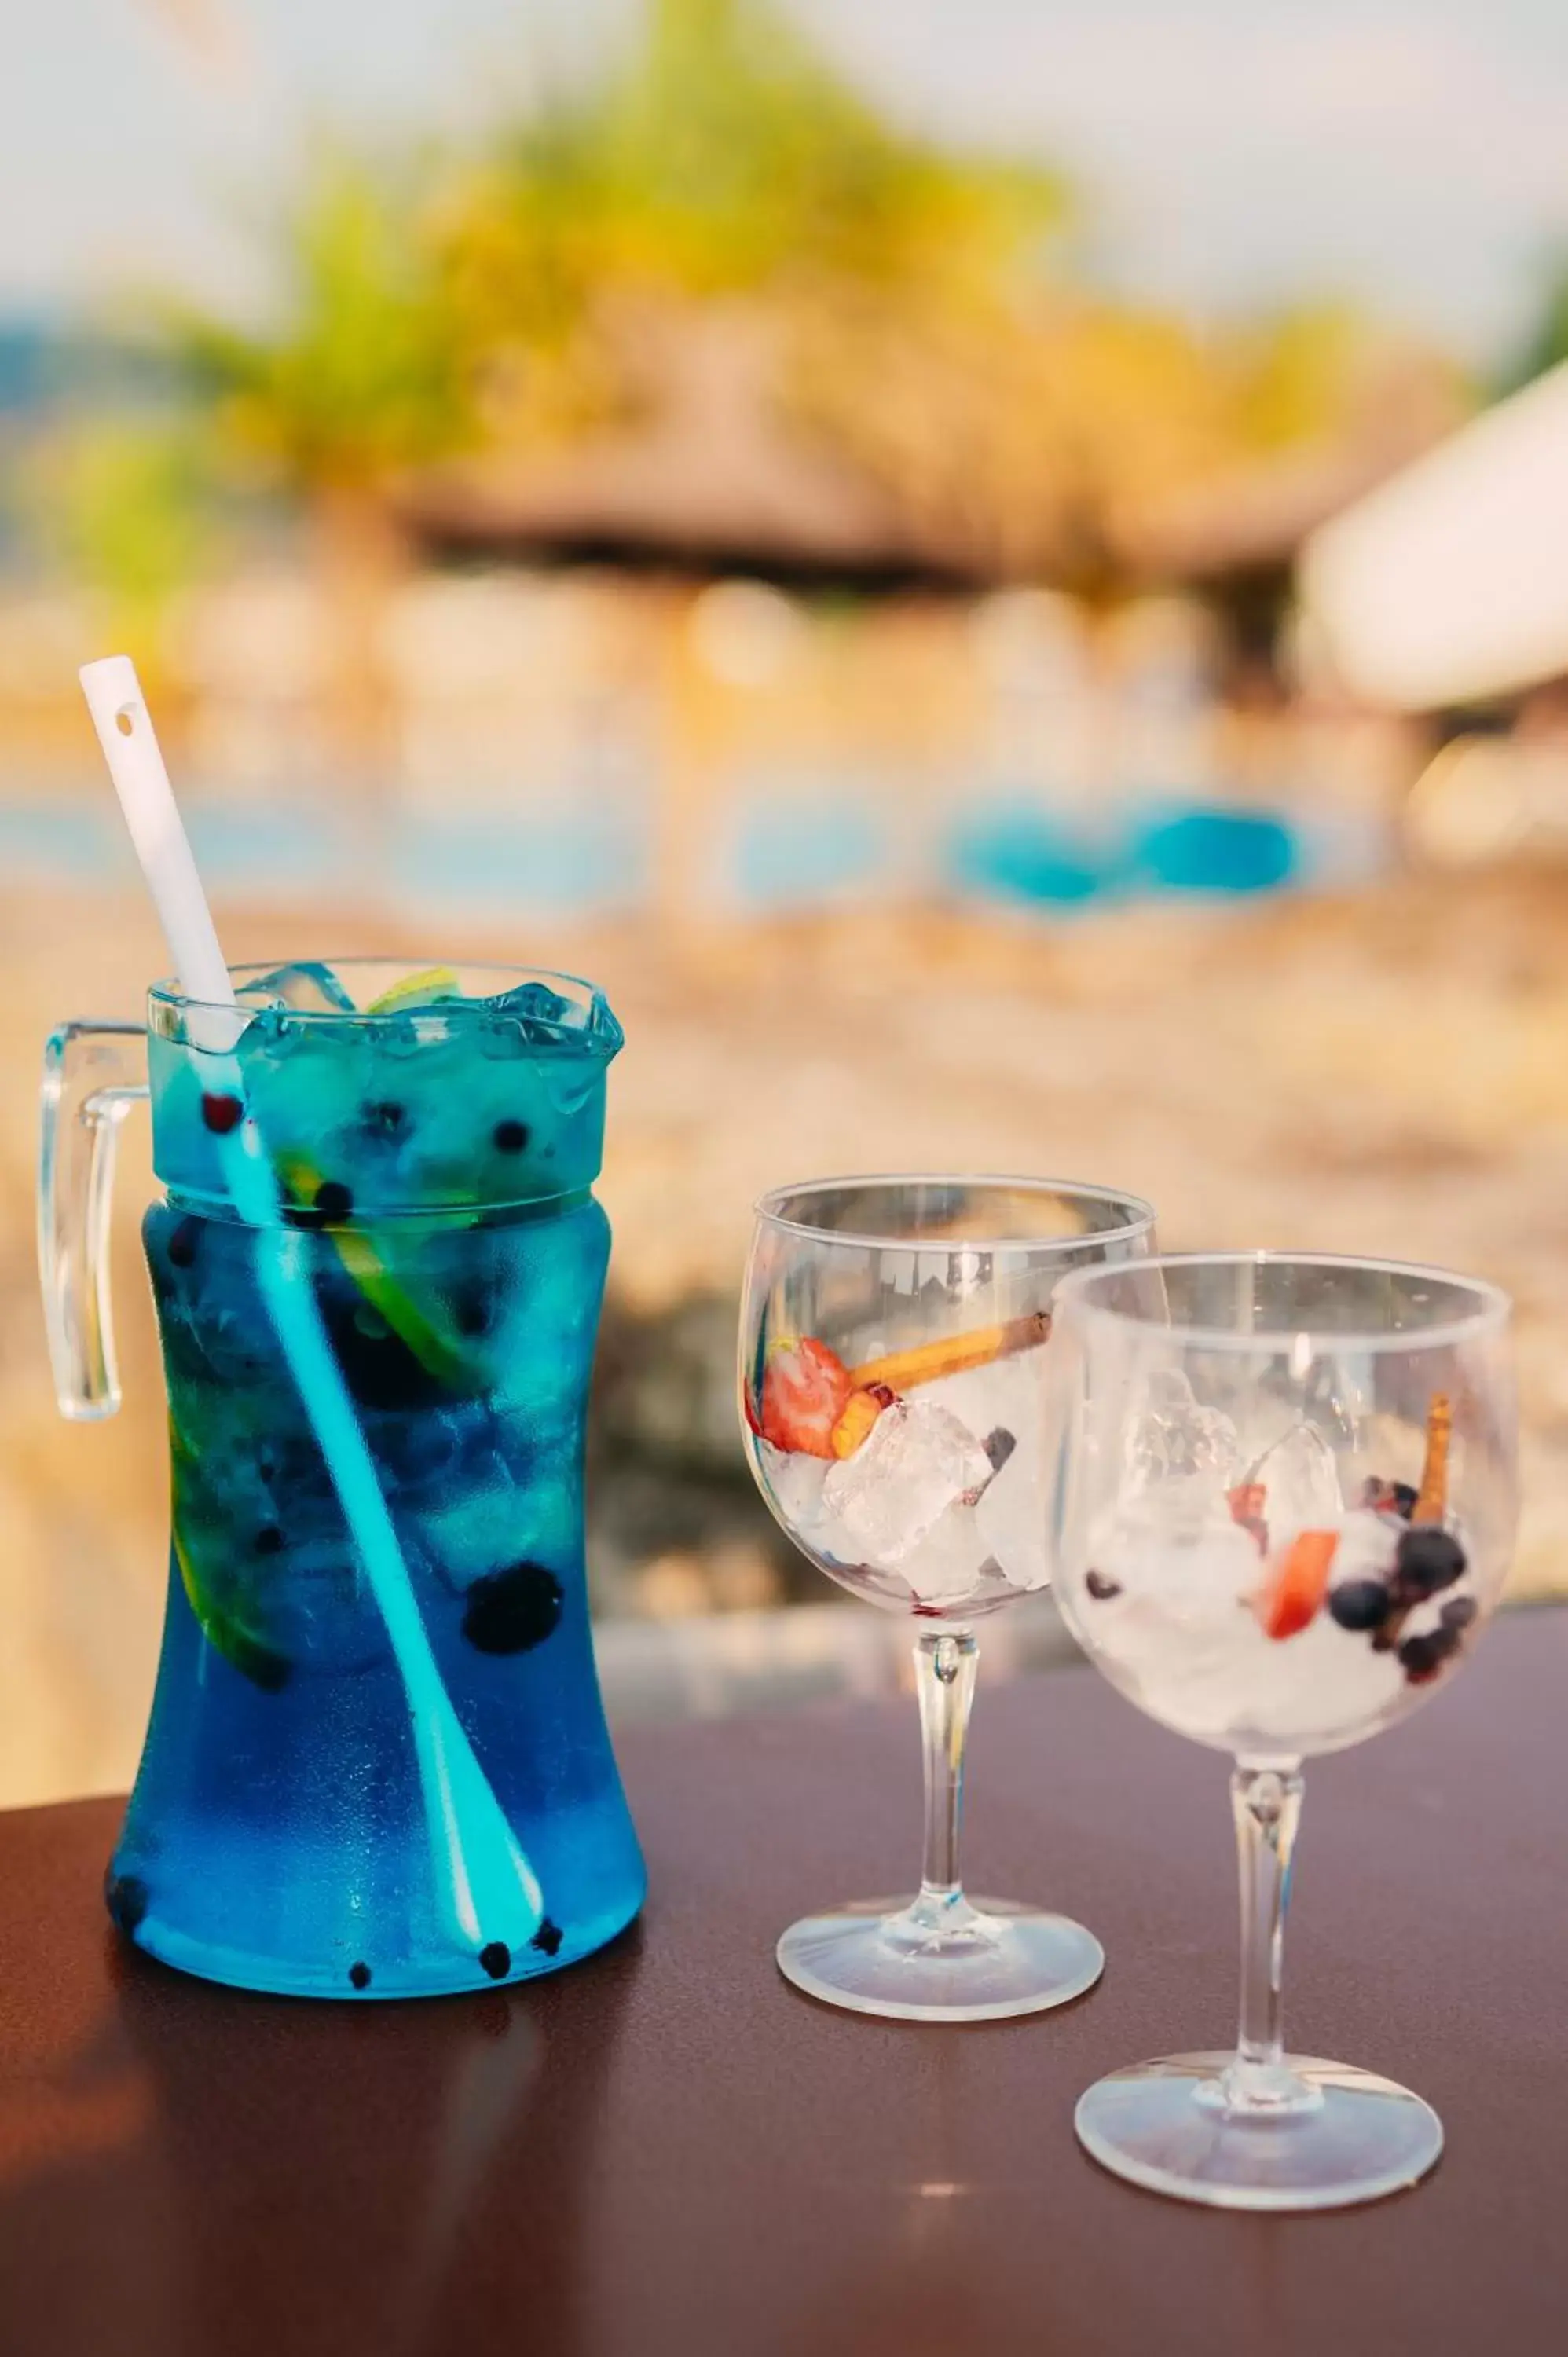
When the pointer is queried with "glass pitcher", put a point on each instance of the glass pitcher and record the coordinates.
(377, 1762)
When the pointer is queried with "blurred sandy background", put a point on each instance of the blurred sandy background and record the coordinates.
(999, 578)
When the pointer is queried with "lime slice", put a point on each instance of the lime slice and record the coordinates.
(434, 982)
(361, 1262)
(220, 1624)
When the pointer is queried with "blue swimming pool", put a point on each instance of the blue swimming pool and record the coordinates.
(795, 844)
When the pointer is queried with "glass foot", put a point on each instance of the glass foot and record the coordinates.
(983, 1962)
(1350, 2137)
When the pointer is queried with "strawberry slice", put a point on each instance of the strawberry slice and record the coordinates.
(1298, 1584)
(804, 1389)
(1247, 1503)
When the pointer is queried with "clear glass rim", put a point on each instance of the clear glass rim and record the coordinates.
(1142, 1221)
(603, 1031)
(1493, 1309)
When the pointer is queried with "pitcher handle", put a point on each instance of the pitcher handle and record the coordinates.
(93, 1074)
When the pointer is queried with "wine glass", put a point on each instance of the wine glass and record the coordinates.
(891, 1343)
(1281, 1499)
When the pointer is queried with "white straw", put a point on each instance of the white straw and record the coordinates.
(130, 745)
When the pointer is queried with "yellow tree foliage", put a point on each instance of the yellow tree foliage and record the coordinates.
(926, 324)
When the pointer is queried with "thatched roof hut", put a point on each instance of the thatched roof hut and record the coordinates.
(867, 445)
(712, 471)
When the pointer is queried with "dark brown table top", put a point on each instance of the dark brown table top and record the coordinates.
(668, 2150)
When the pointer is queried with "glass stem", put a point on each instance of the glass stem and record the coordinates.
(1266, 1805)
(945, 1669)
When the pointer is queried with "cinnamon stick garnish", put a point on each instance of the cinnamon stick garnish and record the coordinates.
(1432, 1498)
(954, 1354)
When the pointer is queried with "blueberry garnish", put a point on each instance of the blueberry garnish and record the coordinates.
(548, 1937)
(125, 1895)
(513, 1610)
(496, 1959)
(1360, 1604)
(222, 1114)
(268, 1540)
(183, 1241)
(378, 1366)
(470, 1314)
(999, 1447)
(333, 1200)
(1099, 1588)
(265, 1667)
(511, 1137)
(1421, 1658)
(1428, 1559)
(1458, 1612)
(1388, 1497)
(360, 1976)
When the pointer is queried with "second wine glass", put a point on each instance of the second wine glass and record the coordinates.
(892, 1337)
(1280, 1489)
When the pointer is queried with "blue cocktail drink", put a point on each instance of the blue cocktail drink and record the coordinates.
(376, 1761)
